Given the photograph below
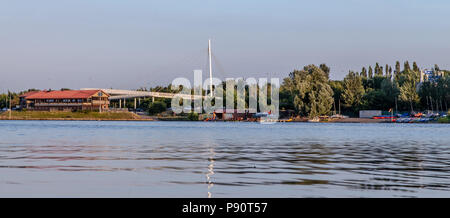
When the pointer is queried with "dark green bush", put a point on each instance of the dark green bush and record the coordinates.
(193, 116)
(156, 107)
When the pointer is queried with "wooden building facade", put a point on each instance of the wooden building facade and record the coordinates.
(66, 100)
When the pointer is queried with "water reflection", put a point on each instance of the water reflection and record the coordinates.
(210, 171)
(242, 160)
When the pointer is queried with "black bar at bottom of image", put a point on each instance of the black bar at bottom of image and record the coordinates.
(226, 207)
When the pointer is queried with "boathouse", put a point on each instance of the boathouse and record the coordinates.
(65, 100)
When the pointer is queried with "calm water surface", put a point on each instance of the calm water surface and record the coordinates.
(199, 159)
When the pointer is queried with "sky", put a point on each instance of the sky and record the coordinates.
(143, 43)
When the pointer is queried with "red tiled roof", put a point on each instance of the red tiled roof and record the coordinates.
(24, 95)
(66, 94)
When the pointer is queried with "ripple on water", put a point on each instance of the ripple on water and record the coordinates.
(183, 159)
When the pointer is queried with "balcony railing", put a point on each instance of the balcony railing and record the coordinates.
(72, 103)
(97, 102)
(58, 104)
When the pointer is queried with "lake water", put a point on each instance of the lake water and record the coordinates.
(206, 159)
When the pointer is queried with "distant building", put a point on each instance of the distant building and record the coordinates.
(369, 113)
(23, 101)
(67, 100)
(233, 114)
(430, 75)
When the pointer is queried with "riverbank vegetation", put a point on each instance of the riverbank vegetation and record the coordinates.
(156, 107)
(84, 115)
(372, 89)
(445, 119)
(310, 92)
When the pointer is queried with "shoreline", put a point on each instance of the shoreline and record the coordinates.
(346, 120)
(128, 116)
(73, 116)
(75, 119)
(359, 120)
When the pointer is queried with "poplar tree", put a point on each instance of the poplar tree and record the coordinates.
(377, 69)
(415, 67)
(407, 67)
(397, 67)
(353, 90)
(364, 72)
(370, 72)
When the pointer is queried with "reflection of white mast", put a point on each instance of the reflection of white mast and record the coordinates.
(210, 171)
(210, 68)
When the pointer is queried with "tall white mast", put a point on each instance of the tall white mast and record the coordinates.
(210, 68)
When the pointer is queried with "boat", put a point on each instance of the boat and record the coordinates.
(314, 120)
(339, 116)
(286, 120)
(268, 119)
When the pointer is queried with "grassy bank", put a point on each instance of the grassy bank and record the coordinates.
(173, 119)
(62, 115)
(444, 119)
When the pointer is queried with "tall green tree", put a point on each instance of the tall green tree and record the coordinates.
(435, 95)
(353, 90)
(338, 88)
(325, 69)
(382, 96)
(370, 72)
(364, 72)
(406, 66)
(415, 67)
(390, 93)
(408, 90)
(397, 70)
(378, 70)
(397, 67)
(313, 95)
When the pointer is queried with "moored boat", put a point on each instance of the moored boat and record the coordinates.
(314, 120)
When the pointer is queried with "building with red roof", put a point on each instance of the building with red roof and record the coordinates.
(23, 101)
(65, 100)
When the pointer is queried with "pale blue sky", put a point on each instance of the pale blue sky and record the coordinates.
(129, 44)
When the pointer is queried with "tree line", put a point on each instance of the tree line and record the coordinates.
(311, 93)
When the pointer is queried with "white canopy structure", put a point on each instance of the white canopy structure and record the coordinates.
(127, 94)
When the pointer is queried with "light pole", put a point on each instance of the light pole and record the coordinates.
(9, 104)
